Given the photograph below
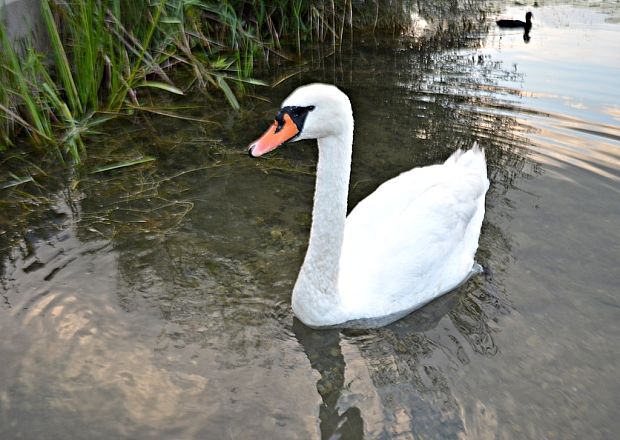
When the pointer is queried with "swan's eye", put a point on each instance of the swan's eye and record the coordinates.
(297, 114)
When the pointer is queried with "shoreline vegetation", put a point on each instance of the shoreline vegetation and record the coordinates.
(110, 59)
(107, 56)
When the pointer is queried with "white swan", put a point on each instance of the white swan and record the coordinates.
(407, 243)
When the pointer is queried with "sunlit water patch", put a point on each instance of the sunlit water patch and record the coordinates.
(568, 92)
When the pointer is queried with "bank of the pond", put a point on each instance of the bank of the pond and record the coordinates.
(107, 57)
(113, 58)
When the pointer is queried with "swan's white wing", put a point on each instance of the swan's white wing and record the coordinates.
(413, 238)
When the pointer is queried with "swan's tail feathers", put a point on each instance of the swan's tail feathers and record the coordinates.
(454, 158)
(473, 159)
(476, 148)
(474, 155)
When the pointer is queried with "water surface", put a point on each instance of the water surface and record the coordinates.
(153, 302)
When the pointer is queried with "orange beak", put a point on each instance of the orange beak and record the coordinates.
(275, 136)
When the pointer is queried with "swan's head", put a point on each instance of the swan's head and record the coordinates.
(528, 16)
(313, 111)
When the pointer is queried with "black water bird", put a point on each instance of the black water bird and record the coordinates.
(527, 24)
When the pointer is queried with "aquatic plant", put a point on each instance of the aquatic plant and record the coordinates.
(110, 56)
(105, 53)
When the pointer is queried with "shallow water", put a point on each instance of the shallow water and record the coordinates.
(153, 302)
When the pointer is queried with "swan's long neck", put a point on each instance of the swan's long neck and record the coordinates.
(315, 296)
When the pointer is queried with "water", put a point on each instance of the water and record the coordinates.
(153, 302)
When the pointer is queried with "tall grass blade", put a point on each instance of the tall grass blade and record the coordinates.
(62, 62)
(18, 76)
(134, 69)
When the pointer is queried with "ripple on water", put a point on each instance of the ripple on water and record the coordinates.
(72, 353)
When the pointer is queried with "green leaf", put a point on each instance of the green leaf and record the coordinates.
(17, 181)
(232, 100)
(124, 164)
(256, 82)
(160, 85)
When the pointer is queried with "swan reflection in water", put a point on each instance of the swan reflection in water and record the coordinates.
(395, 379)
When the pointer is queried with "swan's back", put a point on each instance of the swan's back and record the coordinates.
(415, 237)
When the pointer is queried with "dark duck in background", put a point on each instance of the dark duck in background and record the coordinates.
(515, 24)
